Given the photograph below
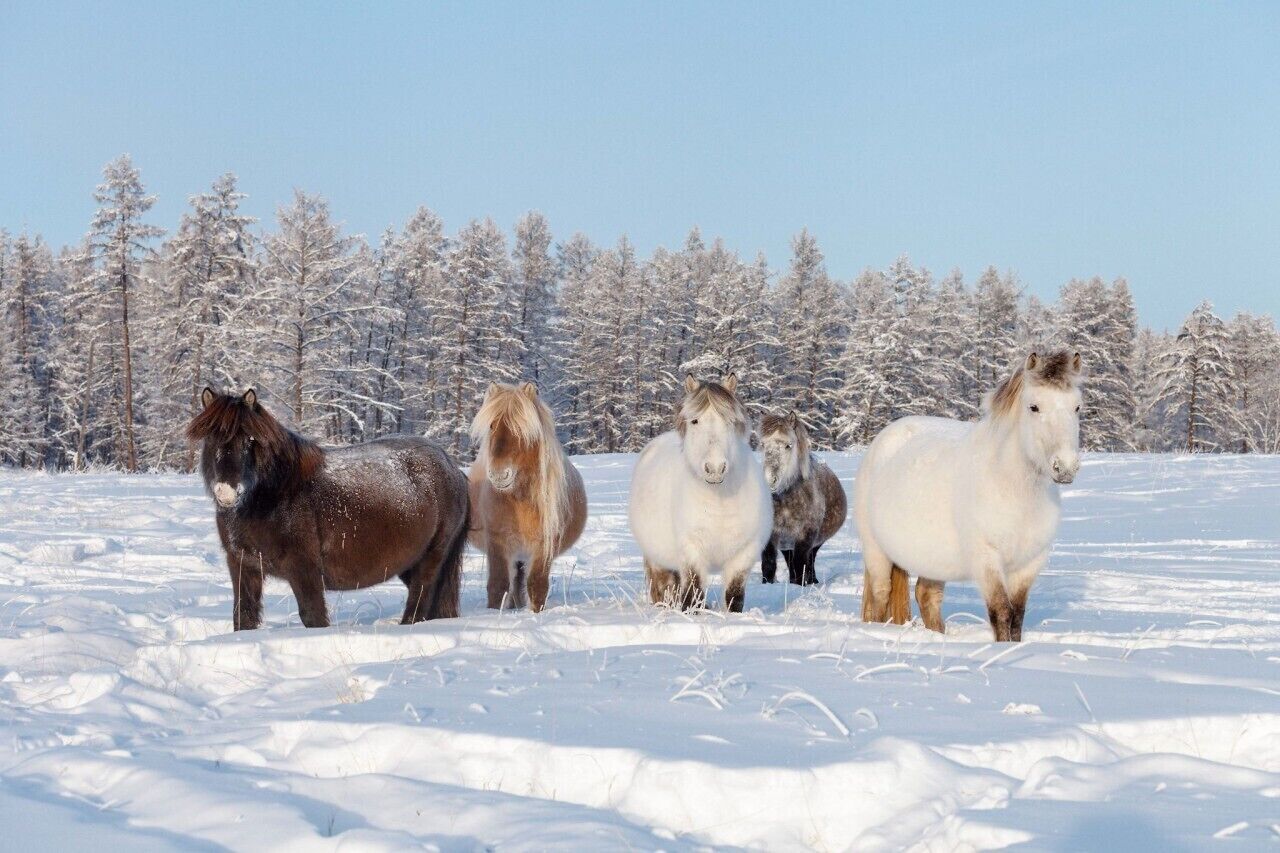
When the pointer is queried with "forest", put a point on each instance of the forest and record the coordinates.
(105, 345)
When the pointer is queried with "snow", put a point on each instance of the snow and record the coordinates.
(1142, 711)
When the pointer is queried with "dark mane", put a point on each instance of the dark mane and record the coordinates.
(283, 454)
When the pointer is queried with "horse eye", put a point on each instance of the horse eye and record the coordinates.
(1077, 408)
(788, 447)
(693, 422)
(1035, 408)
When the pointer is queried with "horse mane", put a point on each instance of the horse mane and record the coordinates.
(711, 395)
(771, 424)
(523, 414)
(227, 416)
(1057, 370)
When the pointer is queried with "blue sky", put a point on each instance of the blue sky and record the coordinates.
(1055, 139)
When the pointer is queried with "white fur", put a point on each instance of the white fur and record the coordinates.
(686, 522)
(226, 494)
(950, 501)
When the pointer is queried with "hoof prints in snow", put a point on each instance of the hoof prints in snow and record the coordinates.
(1143, 710)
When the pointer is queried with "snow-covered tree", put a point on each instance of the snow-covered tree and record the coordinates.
(478, 343)
(118, 240)
(811, 322)
(1254, 347)
(534, 290)
(1195, 382)
(1098, 322)
(304, 303)
(199, 325)
(996, 324)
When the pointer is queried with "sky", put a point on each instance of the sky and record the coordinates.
(1057, 140)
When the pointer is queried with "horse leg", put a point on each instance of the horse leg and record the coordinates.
(691, 593)
(662, 584)
(999, 609)
(735, 583)
(538, 582)
(876, 577)
(790, 557)
(811, 567)
(308, 591)
(420, 579)
(769, 563)
(803, 573)
(246, 591)
(1019, 587)
(499, 585)
(929, 597)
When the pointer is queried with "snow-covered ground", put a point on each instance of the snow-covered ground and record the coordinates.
(1143, 711)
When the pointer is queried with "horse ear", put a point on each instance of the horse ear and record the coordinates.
(250, 398)
(690, 384)
(1076, 364)
(792, 419)
(207, 396)
(730, 383)
(491, 390)
(1033, 361)
(530, 390)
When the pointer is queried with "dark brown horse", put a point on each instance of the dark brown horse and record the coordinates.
(343, 518)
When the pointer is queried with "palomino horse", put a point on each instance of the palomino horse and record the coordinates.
(343, 518)
(527, 500)
(808, 501)
(947, 501)
(699, 502)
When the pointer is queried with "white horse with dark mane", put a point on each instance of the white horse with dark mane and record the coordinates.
(699, 501)
(946, 501)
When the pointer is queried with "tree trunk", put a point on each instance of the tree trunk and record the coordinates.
(131, 455)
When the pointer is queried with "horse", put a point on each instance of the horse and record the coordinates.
(699, 501)
(947, 501)
(338, 518)
(528, 502)
(809, 505)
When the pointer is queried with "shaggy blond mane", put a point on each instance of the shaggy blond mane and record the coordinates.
(522, 414)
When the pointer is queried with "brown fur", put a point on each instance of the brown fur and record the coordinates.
(524, 528)
(929, 598)
(897, 605)
(345, 518)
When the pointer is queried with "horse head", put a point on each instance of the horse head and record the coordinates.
(245, 448)
(712, 424)
(1042, 399)
(786, 451)
(510, 431)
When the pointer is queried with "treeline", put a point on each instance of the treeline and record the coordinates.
(105, 346)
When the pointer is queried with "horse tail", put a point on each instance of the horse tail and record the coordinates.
(443, 603)
(899, 597)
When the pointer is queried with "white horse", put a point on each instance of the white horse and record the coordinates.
(948, 501)
(699, 501)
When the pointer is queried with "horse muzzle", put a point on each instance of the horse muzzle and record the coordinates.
(225, 494)
(1064, 474)
(503, 483)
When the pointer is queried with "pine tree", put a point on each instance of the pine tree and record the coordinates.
(572, 324)
(27, 287)
(118, 239)
(811, 334)
(478, 343)
(197, 325)
(996, 310)
(304, 302)
(534, 290)
(954, 342)
(1098, 322)
(1254, 347)
(1195, 381)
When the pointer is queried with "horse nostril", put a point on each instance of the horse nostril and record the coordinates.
(706, 466)
(723, 466)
